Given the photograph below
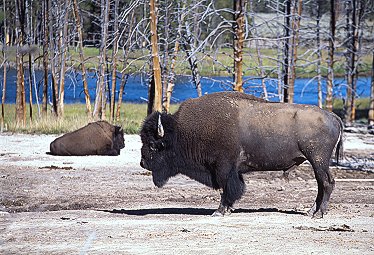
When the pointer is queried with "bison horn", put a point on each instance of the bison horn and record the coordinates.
(160, 128)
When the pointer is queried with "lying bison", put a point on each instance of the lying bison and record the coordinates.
(97, 138)
(218, 137)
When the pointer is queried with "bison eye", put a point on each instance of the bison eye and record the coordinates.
(157, 146)
(152, 146)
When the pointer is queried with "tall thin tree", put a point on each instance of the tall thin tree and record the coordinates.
(371, 110)
(319, 52)
(20, 87)
(171, 81)
(63, 51)
(239, 13)
(156, 77)
(350, 55)
(100, 101)
(5, 44)
(188, 45)
(330, 61)
(114, 60)
(258, 50)
(126, 51)
(46, 6)
(286, 64)
(81, 56)
(297, 10)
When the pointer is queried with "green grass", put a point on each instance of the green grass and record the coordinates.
(361, 104)
(132, 116)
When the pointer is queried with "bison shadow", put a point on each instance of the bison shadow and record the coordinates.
(195, 211)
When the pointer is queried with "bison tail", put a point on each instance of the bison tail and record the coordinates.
(339, 150)
(339, 145)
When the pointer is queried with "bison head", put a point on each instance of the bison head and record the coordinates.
(157, 135)
(118, 139)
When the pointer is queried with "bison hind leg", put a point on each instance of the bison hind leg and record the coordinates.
(326, 185)
(233, 190)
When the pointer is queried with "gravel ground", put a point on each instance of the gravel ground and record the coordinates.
(109, 205)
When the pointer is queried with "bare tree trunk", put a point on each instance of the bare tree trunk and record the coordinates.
(81, 57)
(294, 45)
(114, 60)
(4, 91)
(164, 43)
(348, 56)
(354, 59)
(371, 110)
(100, 101)
(319, 53)
(192, 60)
(239, 11)
(352, 40)
(20, 87)
(259, 56)
(171, 82)
(64, 48)
(157, 100)
(21, 97)
(359, 7)
(330, 62)
(30, 86)
(31, 76)
(45, 55)
(286, 63)
(123, 74)
(279, 59)
(5, 44)
(53, 46)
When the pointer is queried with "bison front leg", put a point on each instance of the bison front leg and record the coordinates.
(223, 208)
(233, 190)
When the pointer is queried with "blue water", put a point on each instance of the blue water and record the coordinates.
(136, 89)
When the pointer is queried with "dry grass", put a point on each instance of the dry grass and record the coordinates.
(132, 116)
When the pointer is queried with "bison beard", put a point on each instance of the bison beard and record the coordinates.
(217, 138)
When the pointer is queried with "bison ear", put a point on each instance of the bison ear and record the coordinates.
(160, 128)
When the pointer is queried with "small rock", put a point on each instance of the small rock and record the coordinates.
(281, 188)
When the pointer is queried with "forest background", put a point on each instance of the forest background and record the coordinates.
(266, 39)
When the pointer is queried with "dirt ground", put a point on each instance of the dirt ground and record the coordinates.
(109, 205)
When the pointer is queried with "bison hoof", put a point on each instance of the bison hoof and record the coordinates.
(315, 214)
(218, 213)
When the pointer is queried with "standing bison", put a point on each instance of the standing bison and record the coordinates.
(97, 138)
(218, 137)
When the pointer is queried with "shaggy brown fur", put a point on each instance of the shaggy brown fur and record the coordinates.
(216, 138)
(97, 138)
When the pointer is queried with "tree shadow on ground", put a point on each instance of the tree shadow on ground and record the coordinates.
(195, 211)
